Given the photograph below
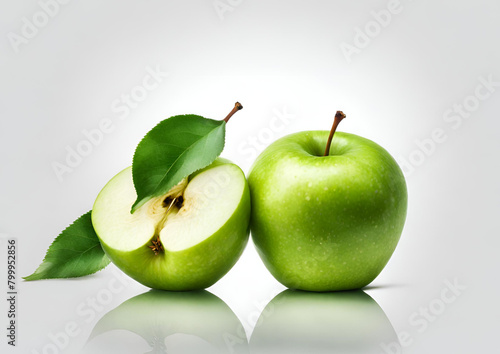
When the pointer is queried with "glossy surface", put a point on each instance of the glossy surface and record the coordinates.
(283, 60)
(159, 321)
(305, 322)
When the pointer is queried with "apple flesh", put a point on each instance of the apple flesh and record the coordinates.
(184, 240)
(326, 223)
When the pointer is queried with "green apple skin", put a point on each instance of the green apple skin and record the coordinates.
(197, 267)
(326, 223)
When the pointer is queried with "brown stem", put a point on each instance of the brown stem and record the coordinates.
(338, 118)
(237, 107)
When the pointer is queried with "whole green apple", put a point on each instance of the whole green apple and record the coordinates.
(326, 223)
(184, 240)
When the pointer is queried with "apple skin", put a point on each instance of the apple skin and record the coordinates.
(326, 223)
(197, 267)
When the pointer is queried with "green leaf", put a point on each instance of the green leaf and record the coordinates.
(171, 151)
(74, 253)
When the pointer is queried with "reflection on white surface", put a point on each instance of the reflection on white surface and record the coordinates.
(303, 322)
(169, 322)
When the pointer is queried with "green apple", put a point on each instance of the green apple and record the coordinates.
(169, 322)
(184, 240)
(326, 223)
(338, 322)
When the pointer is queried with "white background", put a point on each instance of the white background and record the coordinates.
(275, 57)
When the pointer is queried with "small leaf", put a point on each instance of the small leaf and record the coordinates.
(74, 253)
(171, 151)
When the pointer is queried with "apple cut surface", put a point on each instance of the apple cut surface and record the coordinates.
(186, 239)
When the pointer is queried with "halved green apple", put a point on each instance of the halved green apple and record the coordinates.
(184, 240)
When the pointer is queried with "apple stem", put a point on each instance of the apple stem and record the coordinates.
(237, 107)
(338, 118)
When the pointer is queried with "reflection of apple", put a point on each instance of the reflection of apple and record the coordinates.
(170, 322)
(326, 223)
(186, 239)
(338, 322)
